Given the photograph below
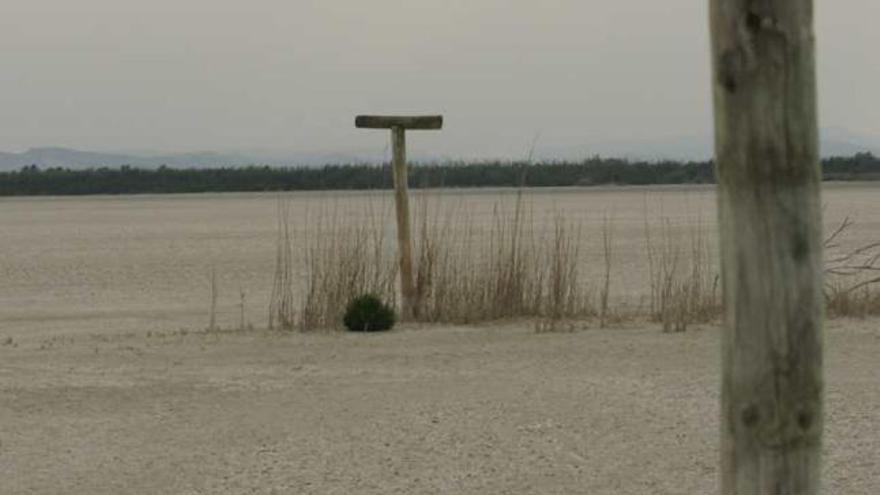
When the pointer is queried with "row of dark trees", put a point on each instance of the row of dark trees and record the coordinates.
(32, 180)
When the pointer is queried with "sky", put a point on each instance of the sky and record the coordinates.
(290, 75)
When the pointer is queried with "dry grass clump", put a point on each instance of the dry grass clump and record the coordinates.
(684, 290)
(467, 274)
(516, 266)
(464, 272)
(344, 260)
(567, 295)
(852, 277)
(607, 251)
(282, 311)
(341, 260)
(861, 302)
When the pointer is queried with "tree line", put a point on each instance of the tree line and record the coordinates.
(33, 180)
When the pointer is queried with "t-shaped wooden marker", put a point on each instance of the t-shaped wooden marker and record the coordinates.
(398, 126)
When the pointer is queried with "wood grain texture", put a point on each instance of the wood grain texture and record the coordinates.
(404, 237)
(422, 122)
(770, 213)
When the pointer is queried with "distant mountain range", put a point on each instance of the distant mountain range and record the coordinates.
(76, 159)
(69, 158)
(835, 142)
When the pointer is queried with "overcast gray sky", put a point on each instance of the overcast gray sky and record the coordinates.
(179, 75)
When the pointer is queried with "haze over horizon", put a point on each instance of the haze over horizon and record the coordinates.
(288, 77)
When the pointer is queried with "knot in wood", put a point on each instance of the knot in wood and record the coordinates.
(756, 22)
(779, 429)
(751, 416)
(731, 67)
(761, 14)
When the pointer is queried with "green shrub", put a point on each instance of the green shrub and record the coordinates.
(368, 313)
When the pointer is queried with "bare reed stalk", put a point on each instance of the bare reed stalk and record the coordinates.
(281, 304)
(241, 300)
(606, 280)
(701, 282)
(448, 269)
(566, 296)
(564, 292)
(509, 262)
(427, 252)
(514, 267)
(445, 262)
(671, 304)
(654, 273)
(516, 271)
(212, 323)
(684, 290)
(345, 259)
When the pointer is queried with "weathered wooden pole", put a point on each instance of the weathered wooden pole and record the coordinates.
(769, 182)
(404, 238)
(398, 126)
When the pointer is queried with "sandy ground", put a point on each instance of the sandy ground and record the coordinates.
(136, 263)
(495, 409)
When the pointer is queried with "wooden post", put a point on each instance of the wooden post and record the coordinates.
(769, 207)
(404, 239)
(398, 126)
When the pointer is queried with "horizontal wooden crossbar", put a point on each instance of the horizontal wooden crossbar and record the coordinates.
(422, 122)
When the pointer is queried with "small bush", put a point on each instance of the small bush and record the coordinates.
(368, 313)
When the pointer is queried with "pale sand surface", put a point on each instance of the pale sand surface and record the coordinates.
(101, 393)
(492, 409)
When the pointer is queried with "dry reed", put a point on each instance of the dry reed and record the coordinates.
(607, 251)
(518, 271)
(212, 322)
(852, 276)
(515, 267)
(343, 260)
(282, 312)
(683, 290)
(241, 308)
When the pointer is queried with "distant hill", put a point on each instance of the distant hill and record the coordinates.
(835, 142)
(52, 157)
(75, 159)
(842, 142)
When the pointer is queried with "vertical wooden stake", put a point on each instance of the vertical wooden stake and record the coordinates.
(770, 217)
(404, 239)
(398, 126)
